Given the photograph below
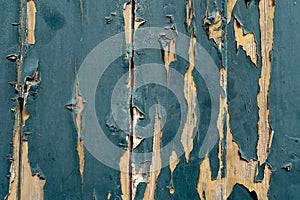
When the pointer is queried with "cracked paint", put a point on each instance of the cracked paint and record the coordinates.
(137, 115)
(238, 170)
(246, 41)
(213, 23)
(32, 185)
(173, 162)
(128, 20)
(206, 187)
(190, 94)
(265, 134)
(189, 9)
(78, 108)
(24, 184)
(168, 45)
(79, 145)
(156, 161)
(129, 177)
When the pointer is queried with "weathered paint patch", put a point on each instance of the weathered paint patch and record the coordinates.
(139, 176)
(213, 23)
(78, 108)
(173, 162)
(9, 48)
(246, 41)
(243, 172)
(208, 188)
(190, 94)
(24, 185)
(31, 13)
(265, 134)
(238, 171)
(31, 185)
(78, 119)
(242, 96)
(221, 119)
(168, 45)
(128, 20)
(130, 177)
(156, 161)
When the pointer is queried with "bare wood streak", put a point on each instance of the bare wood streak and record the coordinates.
(156, 162)
(31, 12)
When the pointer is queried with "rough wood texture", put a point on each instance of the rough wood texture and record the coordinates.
(153, 104)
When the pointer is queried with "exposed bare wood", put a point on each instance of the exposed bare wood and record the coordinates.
(189, 9)
(246, 41)
(190, 94)
(156, 162)
(31, 12)
(230, 6)
(173, 162)
(214, 28)
(265, 134)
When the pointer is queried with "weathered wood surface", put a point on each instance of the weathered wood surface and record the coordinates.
(154, 101)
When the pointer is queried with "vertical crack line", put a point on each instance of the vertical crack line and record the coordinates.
(19, 118)
(131, 79)
(21, 32)
(21, 105)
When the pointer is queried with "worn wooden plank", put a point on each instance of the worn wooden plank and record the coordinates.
(115, 100)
